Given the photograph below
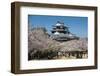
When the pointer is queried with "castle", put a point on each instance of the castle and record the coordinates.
(60, 32)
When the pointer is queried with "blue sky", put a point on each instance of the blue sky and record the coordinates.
(77, 25)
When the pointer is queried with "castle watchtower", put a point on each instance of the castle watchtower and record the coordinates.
(61, 32)
(59, 28)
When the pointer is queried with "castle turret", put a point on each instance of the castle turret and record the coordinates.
(61, 32)
(60, 28)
